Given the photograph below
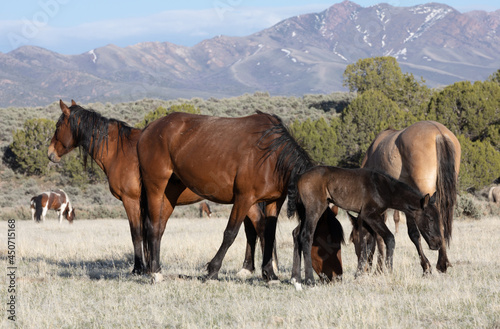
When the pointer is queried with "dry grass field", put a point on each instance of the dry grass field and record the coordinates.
(78, 276)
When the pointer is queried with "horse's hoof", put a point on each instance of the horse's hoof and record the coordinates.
(244, 274)
(269, 276)
(296, 284)
(156, 278)
(138, 271)
(211, 276)
(310, 282)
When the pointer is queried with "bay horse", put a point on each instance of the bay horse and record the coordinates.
(205, 209)
(366, 192)
(112, 144)
(239, 161)
(426, 156)
(56, 200)
(326, 254)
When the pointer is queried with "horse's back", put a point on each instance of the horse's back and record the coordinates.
(175, 142)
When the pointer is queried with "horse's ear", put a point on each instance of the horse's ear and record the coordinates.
(424, 202)
(64, 108)
(73, 103)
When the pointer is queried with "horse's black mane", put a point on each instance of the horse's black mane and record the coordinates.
(90, 129)
(293, 160)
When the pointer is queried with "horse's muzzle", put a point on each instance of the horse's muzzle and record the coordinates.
(435, 244)
(53, 157)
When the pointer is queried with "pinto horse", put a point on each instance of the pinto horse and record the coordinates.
(426, 156)
(366, 192)
(57, 200)
(113, 146)
(239, 161)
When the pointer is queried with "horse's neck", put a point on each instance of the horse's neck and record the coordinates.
(105, 153)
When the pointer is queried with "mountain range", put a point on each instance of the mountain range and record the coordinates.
(305, 54)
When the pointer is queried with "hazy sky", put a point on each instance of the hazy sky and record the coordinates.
(75, 26)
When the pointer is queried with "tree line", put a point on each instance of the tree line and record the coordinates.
(336, 130)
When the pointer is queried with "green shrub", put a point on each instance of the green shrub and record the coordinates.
(467, 206)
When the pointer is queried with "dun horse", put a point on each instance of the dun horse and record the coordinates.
(239, 161)
(426, 156)
(113, 146)
(494, 194)
(363, 191)
(57, 200)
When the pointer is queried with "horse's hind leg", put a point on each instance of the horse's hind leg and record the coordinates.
(414, 235)
(251, 235)
(272, 211)
(44, 212)
(133, 211)
(380, 254)
(366, 249)
(238, 214)
(297, 254)
(162, 198)
(397, 218)
(313, 213)
(377, 223)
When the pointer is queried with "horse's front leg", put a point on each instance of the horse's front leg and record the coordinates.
(443, 263)
(238, 214)
(414, 235)
(377, 223)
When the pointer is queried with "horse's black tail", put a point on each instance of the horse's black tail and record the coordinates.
(446, 184)
(36, 203)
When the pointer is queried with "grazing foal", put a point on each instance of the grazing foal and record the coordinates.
(366, 192)
(57, 200)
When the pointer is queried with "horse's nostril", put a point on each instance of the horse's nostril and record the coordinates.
(52, 157)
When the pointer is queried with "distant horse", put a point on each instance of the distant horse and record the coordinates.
(239, 161)
(56, 200)
(366, 192)
(494, 194)
(205, 208)
(426, 156)
(113, 146)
